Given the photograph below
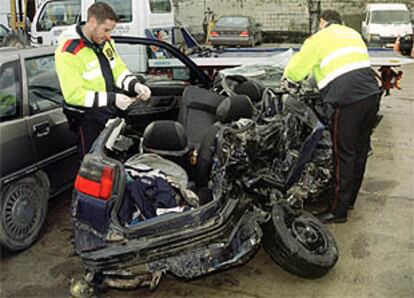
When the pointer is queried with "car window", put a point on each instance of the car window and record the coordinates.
(160, 6)
(10, 96)
(43, 84)
(390, 17)
(60, 13)
(233, 22)
(158, 70)
(123, 9)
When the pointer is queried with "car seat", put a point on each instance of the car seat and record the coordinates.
(230, 109)
(197, 113)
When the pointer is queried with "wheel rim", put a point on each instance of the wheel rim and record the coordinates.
(22, 213)
(310, 235)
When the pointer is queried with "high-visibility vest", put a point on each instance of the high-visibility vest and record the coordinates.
(328, 54)
(80, 74)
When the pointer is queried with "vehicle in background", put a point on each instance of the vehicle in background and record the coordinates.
(236, 31)
(385, 22)
(39, 156)
(149, 18)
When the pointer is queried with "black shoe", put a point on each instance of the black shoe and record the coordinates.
(329, 217)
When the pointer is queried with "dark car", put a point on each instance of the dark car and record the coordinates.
(175, 195)
(38, 153)
(236, 31)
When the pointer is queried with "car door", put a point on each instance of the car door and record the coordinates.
(16, 154)
(54, 144)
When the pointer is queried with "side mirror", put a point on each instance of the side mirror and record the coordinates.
(40, 40)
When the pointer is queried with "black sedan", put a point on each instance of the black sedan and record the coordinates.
(38, 153)
(236, 31)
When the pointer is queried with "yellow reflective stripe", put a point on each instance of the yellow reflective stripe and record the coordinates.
(340, 71)
(91, 75)
(342, 52)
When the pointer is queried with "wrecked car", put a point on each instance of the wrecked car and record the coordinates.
(202, 190)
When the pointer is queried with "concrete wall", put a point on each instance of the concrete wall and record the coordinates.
(275, 15)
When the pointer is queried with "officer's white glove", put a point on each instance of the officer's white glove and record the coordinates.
(122, 101)
(144, 93)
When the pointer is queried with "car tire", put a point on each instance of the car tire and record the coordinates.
(299, 244)
(16, 39)
(22, 214)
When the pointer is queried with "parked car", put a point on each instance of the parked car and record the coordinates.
(236, 31)
(38, 152)
(157, 198)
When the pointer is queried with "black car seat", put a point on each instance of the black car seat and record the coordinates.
(197, 113)
(230, 109)
(240, 85)
(168, 139)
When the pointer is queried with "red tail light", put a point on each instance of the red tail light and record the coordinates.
(214, 33)
(244, 34)
(99, 189)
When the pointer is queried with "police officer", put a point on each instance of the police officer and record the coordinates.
(337, 57)
(93, 78)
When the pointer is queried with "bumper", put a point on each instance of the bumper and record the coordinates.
(227, 239)
(231, 41)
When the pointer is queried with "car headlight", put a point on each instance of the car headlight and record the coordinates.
(374, 37)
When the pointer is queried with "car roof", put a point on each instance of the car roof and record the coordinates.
(9, 53)
(387, 6)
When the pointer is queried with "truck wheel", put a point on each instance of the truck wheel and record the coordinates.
(16, 39)
(299, 244)
(23, 211)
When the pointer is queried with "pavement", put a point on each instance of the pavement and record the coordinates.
(376, 244)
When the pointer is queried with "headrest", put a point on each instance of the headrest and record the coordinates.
(165, 137)
(253, 89)
(233, 108)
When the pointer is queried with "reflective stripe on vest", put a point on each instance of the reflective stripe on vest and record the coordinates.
(343, 70)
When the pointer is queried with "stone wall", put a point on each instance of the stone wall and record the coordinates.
(275, 15)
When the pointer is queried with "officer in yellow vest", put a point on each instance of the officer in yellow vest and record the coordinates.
(337, 58)
(93, 78)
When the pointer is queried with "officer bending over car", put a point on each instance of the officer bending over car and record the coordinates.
(95, 82)
(337, 57)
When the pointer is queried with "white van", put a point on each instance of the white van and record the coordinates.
(138, 18)
(385, 22)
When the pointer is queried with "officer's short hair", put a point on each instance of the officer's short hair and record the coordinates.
(332, 16)
(102, 12)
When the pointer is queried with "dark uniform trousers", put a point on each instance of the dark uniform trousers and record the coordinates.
(351, 129)
(89, 130)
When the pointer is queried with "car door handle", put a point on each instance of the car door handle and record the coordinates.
(41, 129)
